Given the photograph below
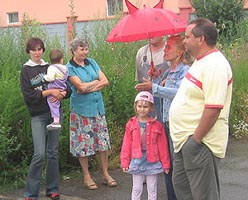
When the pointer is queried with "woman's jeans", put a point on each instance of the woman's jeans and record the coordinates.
(46, 144)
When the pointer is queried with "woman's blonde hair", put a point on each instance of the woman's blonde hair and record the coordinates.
(185, 57)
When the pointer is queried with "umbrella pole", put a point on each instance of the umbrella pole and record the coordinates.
(152, 67)
(150, 50)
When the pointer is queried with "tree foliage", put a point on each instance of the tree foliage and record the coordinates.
(225, 13)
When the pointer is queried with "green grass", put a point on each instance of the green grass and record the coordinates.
(239, 108)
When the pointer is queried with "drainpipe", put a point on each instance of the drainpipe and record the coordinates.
(71, 28)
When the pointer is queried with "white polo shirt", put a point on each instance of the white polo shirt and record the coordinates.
(208, 83)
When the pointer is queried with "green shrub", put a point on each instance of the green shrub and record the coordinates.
(239, 108)
(227, 14)
(14, 119)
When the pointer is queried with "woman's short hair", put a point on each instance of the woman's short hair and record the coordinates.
(78, 42)
(33, 43)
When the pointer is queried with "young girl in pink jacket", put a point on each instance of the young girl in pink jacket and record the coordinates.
(144, 152)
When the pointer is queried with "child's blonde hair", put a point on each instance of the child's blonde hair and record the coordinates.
(147, 97)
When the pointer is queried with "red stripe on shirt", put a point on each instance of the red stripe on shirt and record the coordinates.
(230, 81)
(194, 80)
(207, 53)
(199, 83)
(218, 106)
(213, 106)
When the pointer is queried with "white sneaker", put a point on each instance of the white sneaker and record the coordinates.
(53, 126)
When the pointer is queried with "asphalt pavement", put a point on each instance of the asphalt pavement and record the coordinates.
(233, 179)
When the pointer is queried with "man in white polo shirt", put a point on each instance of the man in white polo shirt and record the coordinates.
(199, 116)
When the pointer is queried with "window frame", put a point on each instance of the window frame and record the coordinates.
(12, 17)
(111, 9)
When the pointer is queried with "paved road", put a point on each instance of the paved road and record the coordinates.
(233, 178)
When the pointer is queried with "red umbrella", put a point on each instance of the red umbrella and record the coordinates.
(146, 23)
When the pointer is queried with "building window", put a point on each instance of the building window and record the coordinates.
(114, 6)
(12, 18)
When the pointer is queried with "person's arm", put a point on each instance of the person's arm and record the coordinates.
(215, 89)
(67, 92)
(93, 86)
(164, 91)
(125, 155)
(51, 72)
(145, 86)
(103, 81)
(163, 149)
(81, 86)
(63, 94)
(57, 94)
(157, 90)
(29, 93)
(34, 95)
(207, 121)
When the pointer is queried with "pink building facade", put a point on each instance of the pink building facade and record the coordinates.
(56, 16)
(57, 11)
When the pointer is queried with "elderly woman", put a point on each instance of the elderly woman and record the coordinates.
(88, 127)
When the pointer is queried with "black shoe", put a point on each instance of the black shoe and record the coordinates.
(53, 196)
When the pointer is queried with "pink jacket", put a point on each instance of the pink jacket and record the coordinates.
(156, 143)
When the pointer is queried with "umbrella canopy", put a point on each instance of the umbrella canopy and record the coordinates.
(146, 23)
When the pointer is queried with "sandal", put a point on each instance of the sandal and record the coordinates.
(90, 184)
(110, 182)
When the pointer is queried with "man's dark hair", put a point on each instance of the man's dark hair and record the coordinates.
(204, 27)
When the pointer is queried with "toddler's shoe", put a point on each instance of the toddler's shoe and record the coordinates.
(53, 126)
